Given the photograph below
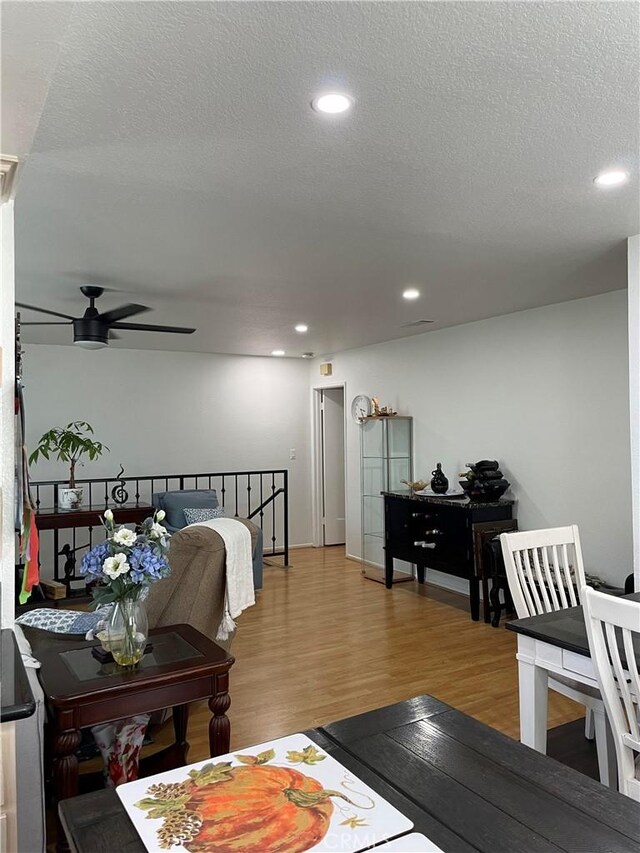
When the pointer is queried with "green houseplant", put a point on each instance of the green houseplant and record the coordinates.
(69, 444)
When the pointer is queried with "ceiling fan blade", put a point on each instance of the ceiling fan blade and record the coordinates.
(110, 317)
(43, 310)
(47, 323)
(113, 336)
(139, 327)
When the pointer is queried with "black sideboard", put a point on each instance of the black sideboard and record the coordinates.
(438, 533)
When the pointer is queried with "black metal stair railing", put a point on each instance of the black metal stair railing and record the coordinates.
(261, 496)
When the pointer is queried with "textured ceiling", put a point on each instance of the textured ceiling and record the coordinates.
(177, 162)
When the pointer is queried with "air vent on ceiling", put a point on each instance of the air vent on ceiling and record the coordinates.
(415, 323)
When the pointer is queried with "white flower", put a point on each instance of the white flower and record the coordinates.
(125, 537)
(157, 531)
(108, 515)
(160, 515)
(113, 567)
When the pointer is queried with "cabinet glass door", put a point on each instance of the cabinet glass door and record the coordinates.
(386, 459)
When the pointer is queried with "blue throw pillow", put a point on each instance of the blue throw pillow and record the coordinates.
(174, 504)
(197, 516)
(61, 621)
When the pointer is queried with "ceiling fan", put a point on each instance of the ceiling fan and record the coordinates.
(94, 330)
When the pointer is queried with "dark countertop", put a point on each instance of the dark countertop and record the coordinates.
(464, 503)
(17, 699)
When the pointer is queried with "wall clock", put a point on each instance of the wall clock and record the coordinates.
(360, 407)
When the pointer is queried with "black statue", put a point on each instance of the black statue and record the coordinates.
(439, 483)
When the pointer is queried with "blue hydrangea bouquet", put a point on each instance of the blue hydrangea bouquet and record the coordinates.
(127, 561)
(124, 565)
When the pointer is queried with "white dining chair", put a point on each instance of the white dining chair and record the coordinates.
(545, 572)
(612, 626)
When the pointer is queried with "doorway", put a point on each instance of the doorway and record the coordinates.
(331, 466)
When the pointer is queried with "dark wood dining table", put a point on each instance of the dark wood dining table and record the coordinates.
(465, 786)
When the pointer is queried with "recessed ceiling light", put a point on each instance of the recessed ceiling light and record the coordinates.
(277, 352)
(411, 293)
(611, 178)
(302, 327)
(307, 354)
(332, 103)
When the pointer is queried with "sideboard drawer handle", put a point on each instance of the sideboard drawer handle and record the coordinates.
(424, 544)
(420, 515)
(434, 532)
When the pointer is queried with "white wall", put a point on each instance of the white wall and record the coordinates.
(544, 391)
(633, 268)
(171, 412)
(7, 396)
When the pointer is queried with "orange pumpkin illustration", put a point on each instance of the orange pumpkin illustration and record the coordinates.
(263, 809)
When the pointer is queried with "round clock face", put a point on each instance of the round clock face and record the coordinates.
(360, 408)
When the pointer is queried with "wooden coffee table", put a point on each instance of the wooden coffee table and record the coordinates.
(184, 666)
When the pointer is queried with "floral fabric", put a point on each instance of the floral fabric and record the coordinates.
(120, 743)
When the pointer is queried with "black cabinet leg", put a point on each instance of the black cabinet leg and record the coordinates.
(388, 570)
(420, 572)
(486, 604)
(495, 603)
(474, 598)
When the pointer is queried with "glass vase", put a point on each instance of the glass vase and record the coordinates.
(127, 631)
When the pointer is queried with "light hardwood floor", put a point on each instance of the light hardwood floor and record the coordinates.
(324, 643)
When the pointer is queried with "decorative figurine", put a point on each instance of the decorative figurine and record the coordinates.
(375, 402)
(119, 494)
(439, 483)
(415, 485)
(69, 567)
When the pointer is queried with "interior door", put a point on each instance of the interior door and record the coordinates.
(333, 509)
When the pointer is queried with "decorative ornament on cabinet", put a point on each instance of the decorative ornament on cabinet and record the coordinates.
(439, 483)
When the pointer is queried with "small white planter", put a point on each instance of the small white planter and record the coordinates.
(70, 498)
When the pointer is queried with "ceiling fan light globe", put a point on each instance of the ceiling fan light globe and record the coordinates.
(91, 344)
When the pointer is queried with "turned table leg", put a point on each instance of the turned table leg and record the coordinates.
(219, 725)
(180, 723)
(65, 774)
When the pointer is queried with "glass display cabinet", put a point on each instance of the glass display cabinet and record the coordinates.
(386, 458)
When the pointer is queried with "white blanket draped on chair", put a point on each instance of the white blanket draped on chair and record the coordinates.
(239, 592)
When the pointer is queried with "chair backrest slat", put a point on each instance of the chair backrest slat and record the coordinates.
(612, 624)
(553, 590)
(540, 581)
(544, 569)
(569, 585)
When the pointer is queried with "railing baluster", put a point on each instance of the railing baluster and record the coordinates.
(248, 494)
(273, 514)
(285, 480)
(223, 491)
(261, 502)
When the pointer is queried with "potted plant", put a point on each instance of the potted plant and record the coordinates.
(69, 444)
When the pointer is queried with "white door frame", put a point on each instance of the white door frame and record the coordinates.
(316, 462)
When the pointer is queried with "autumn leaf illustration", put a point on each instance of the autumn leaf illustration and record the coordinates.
(161, 808)
(261, 758)
(354, 822)
(211, 773)
(309, 755)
